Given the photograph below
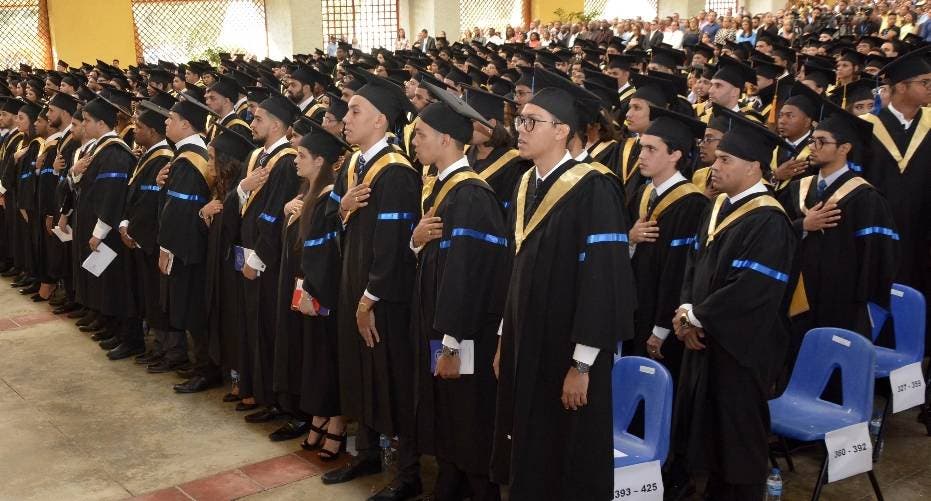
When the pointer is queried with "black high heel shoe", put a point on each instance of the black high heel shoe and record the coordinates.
(327, 455)
(321, 436)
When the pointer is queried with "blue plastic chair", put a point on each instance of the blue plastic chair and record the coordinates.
(634, 379)
(800, 413)
(907, 307)
(878, 317)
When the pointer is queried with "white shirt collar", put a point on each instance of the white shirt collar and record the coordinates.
(833, 177)
(669, 183)
(800, 140)
(565, 158)
(54, 136)
(377, 147)
(756, 188)
(582, 156)
(899, 116)
(156, 145)
(305, 103)
(239, 103)
(192, 139)
(67, 129)
(231, 113)
(276, 144)
(458, 164)
(736, 108)
(623, 87)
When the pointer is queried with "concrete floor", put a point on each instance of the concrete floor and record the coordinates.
(75, 426)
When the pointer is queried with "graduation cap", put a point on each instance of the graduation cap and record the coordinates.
(85, 94)
(914, 40)
(63, 63)
(678, 131)
(910, 65)
(280, 107)
(703, 49)
(387, 97)
(227, 87)
(827, 31)
(818, 73)
(608, 95)
(600, 78)
(621, 61)
(772, 40)
(458, 76)
(337, 107)
(747, 139)
(122, 100)
(487, 104)
(766, 68)
(680, 84)
(31, 110)
(656, 91)
(806, 100)
(734, 72)
(65, 102)
(851, 56)
(876, 61)
(873, 42)
(152, 115)
(54, 76)
(861, 89)
(12, 105)
(309, 76)
(847, 128)
(559, 103)
(500, 86)
(398, 76)
(192, 110)
(102, 110)
(740, 50)
(451, 115)
(708, 71)
(302, 126)
(786, 53)
(232, 143)
(668, 57)
(321, 142)
(257, 94)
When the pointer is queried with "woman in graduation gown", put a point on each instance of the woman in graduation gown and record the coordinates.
(491, 154)
(27, 220)
(47, 214)
(311, 249)
(227, 153)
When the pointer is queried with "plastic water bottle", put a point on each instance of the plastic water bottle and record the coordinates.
(875, 424)
(774, 486)
(389, 455)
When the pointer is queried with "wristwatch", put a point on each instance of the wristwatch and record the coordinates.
(449, 352)
(583, 368)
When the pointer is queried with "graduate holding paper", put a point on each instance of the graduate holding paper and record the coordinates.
(460, 237)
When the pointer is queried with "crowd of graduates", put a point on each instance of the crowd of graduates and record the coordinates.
(448, 244)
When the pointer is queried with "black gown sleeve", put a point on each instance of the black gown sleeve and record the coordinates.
(283, 183)
(181, 230)
(110, 184)
(320, 257)
(396, 199)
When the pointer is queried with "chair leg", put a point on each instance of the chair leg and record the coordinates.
(785, 448)
(772, 459)
(875, 483)
(816, 494)
(880, 436)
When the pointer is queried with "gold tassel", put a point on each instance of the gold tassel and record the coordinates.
(843, 100)
(799, 302)
(771, 119)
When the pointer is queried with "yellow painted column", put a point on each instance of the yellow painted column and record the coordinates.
(543, 9)
(88, 30)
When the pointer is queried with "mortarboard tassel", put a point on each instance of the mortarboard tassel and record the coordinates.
(771, 119)
(877, 101)
(843, 100)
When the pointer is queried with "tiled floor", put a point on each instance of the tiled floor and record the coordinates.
(75, 426)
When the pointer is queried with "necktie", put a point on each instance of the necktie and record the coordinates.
(652, 203)
(263, 158)
(360, 166)
(822, 187)
(725, 209)
(538, 192)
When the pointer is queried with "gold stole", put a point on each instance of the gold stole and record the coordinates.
(107, 142)
(625, 157)
(802, 155)
(297, 215)
(700, 177)
(600, 147)
(409, 134)
(254, 161)
(672, 197)
(15, 136)
(498, 164)
(200, 163)
(453, 181)
(882, 134)
(602, 168)
(392, 157)
(566, 182)
(313, 109)
(159, 153)
(757, 203)
(45, 146)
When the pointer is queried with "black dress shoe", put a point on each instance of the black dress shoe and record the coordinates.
(229, 397)
(164, 365)
(187, 372)
(99, 324)
(398, 491)
(102, 335)
(243, 407)
(149, 357)
(290, 430)
(86, 319)
(4, 268)
(357, 467)
(265, 415)
(21, 281)
(197, 384)
(12, 271)
(79, 313)
(66, 308)
(109, 344)
(30, 289)
(37, 298)
(125, 350)
(57, 301)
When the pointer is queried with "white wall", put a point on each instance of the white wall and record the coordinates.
(294, 27)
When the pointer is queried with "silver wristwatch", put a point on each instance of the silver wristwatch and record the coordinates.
(449, 352)
(583, 368)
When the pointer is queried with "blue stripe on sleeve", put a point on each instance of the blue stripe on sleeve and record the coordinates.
(268, 217)
(149, 187)
(679, 242)
(877, 230)
(316, 242)
(185, 196)
(757, 267)
(112, 175)
(598, 238)
(395, 216)
(335, 197)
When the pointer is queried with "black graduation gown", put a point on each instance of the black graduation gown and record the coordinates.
(502, 179)
(182, 232)
(260, 230)
(629, 170)
(783, 154)
(737, 286)
(659, 267)
(60, 252)
(909, 188)
(607, 153)
(571, 282)
(11, 142)
(225, 317)
(289, 340)
(50, 250)
(455, 418)
(102, 195)
(142, 207)
(847, 266)
(26, 198)
(375, 383)
(320, 266)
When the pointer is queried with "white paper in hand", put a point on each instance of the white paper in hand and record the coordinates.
(98, 261)
(850, 451)
(64, 236)
(908, 387)
(643, 481)
(467, 357)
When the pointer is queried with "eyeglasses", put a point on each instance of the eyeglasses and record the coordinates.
(926, 82)
(818, 142)
(529, 123)
(708, 140)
